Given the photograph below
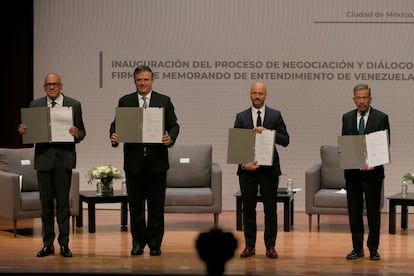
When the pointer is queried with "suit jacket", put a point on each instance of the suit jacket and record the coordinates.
(156, 159)
(46, 152)
(377, 120)
(273, 120)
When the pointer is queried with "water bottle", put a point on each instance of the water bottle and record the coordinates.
(290, 186)
(404, 189)
(98, 188)
(124, 187)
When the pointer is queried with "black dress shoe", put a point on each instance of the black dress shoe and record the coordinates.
(355, 254)
(271, 253)
(248, 252)
(155, 252)
(137, 250)
(65, 251)
(374, 255)
(46, 251)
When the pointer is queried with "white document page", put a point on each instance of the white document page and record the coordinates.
(61, 120)
(153, 125)
(264, 147)
(377, 148)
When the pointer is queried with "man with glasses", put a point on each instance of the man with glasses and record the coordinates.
(54, 163)
(365, 182)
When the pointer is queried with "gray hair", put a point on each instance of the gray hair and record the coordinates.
(362, 86)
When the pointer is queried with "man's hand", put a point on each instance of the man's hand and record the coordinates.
(114, 138)
(22, 129)
(259, 129)
(251, 166)
(366, 168)
(74, 131)
(166, 139)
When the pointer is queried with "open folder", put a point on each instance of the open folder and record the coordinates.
(45, 124)
(356, 151)
(245, 145)
(139, 125)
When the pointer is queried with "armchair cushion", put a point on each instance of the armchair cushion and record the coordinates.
(189, 197)
(20, 161)
(190, 166)
(30, 201)
(329, 198)
(332, 176)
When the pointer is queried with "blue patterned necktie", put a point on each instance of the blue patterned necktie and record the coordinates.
(361, 128)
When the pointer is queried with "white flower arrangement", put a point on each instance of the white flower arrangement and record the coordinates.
(104, 173)
(409, 177)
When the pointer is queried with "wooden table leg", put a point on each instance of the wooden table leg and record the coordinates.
(91, 217)
(391, 217)
(79, 218)
(124, 216)
(404, 216)
(239, 216)
(286, 214)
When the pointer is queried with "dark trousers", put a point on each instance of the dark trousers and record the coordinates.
(267, 184)
(356, 191)
(147, 188)
(54, 189)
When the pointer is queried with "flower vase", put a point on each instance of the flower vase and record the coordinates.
(105, 186)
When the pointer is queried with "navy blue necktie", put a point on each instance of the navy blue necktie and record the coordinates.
(361, 128)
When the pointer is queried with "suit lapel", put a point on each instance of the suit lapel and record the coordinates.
(266, 115)
(154, 101)
(371, 118)
(249, 118)
(354, 121)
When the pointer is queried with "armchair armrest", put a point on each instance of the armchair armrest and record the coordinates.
(312, 185)
(216, 186)
(10, 191)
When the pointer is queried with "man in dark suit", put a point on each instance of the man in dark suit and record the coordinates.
(365, 182)
(54, 163)
(253, 176)
(146, 166)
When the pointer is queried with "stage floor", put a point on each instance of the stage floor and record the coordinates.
(300, 252)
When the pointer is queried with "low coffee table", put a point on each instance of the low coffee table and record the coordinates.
(91, 198)
(282, 196)
(395, 200)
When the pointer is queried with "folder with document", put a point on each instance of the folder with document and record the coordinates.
(356, 151)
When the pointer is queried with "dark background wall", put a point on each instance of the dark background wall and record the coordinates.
(17, 67)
